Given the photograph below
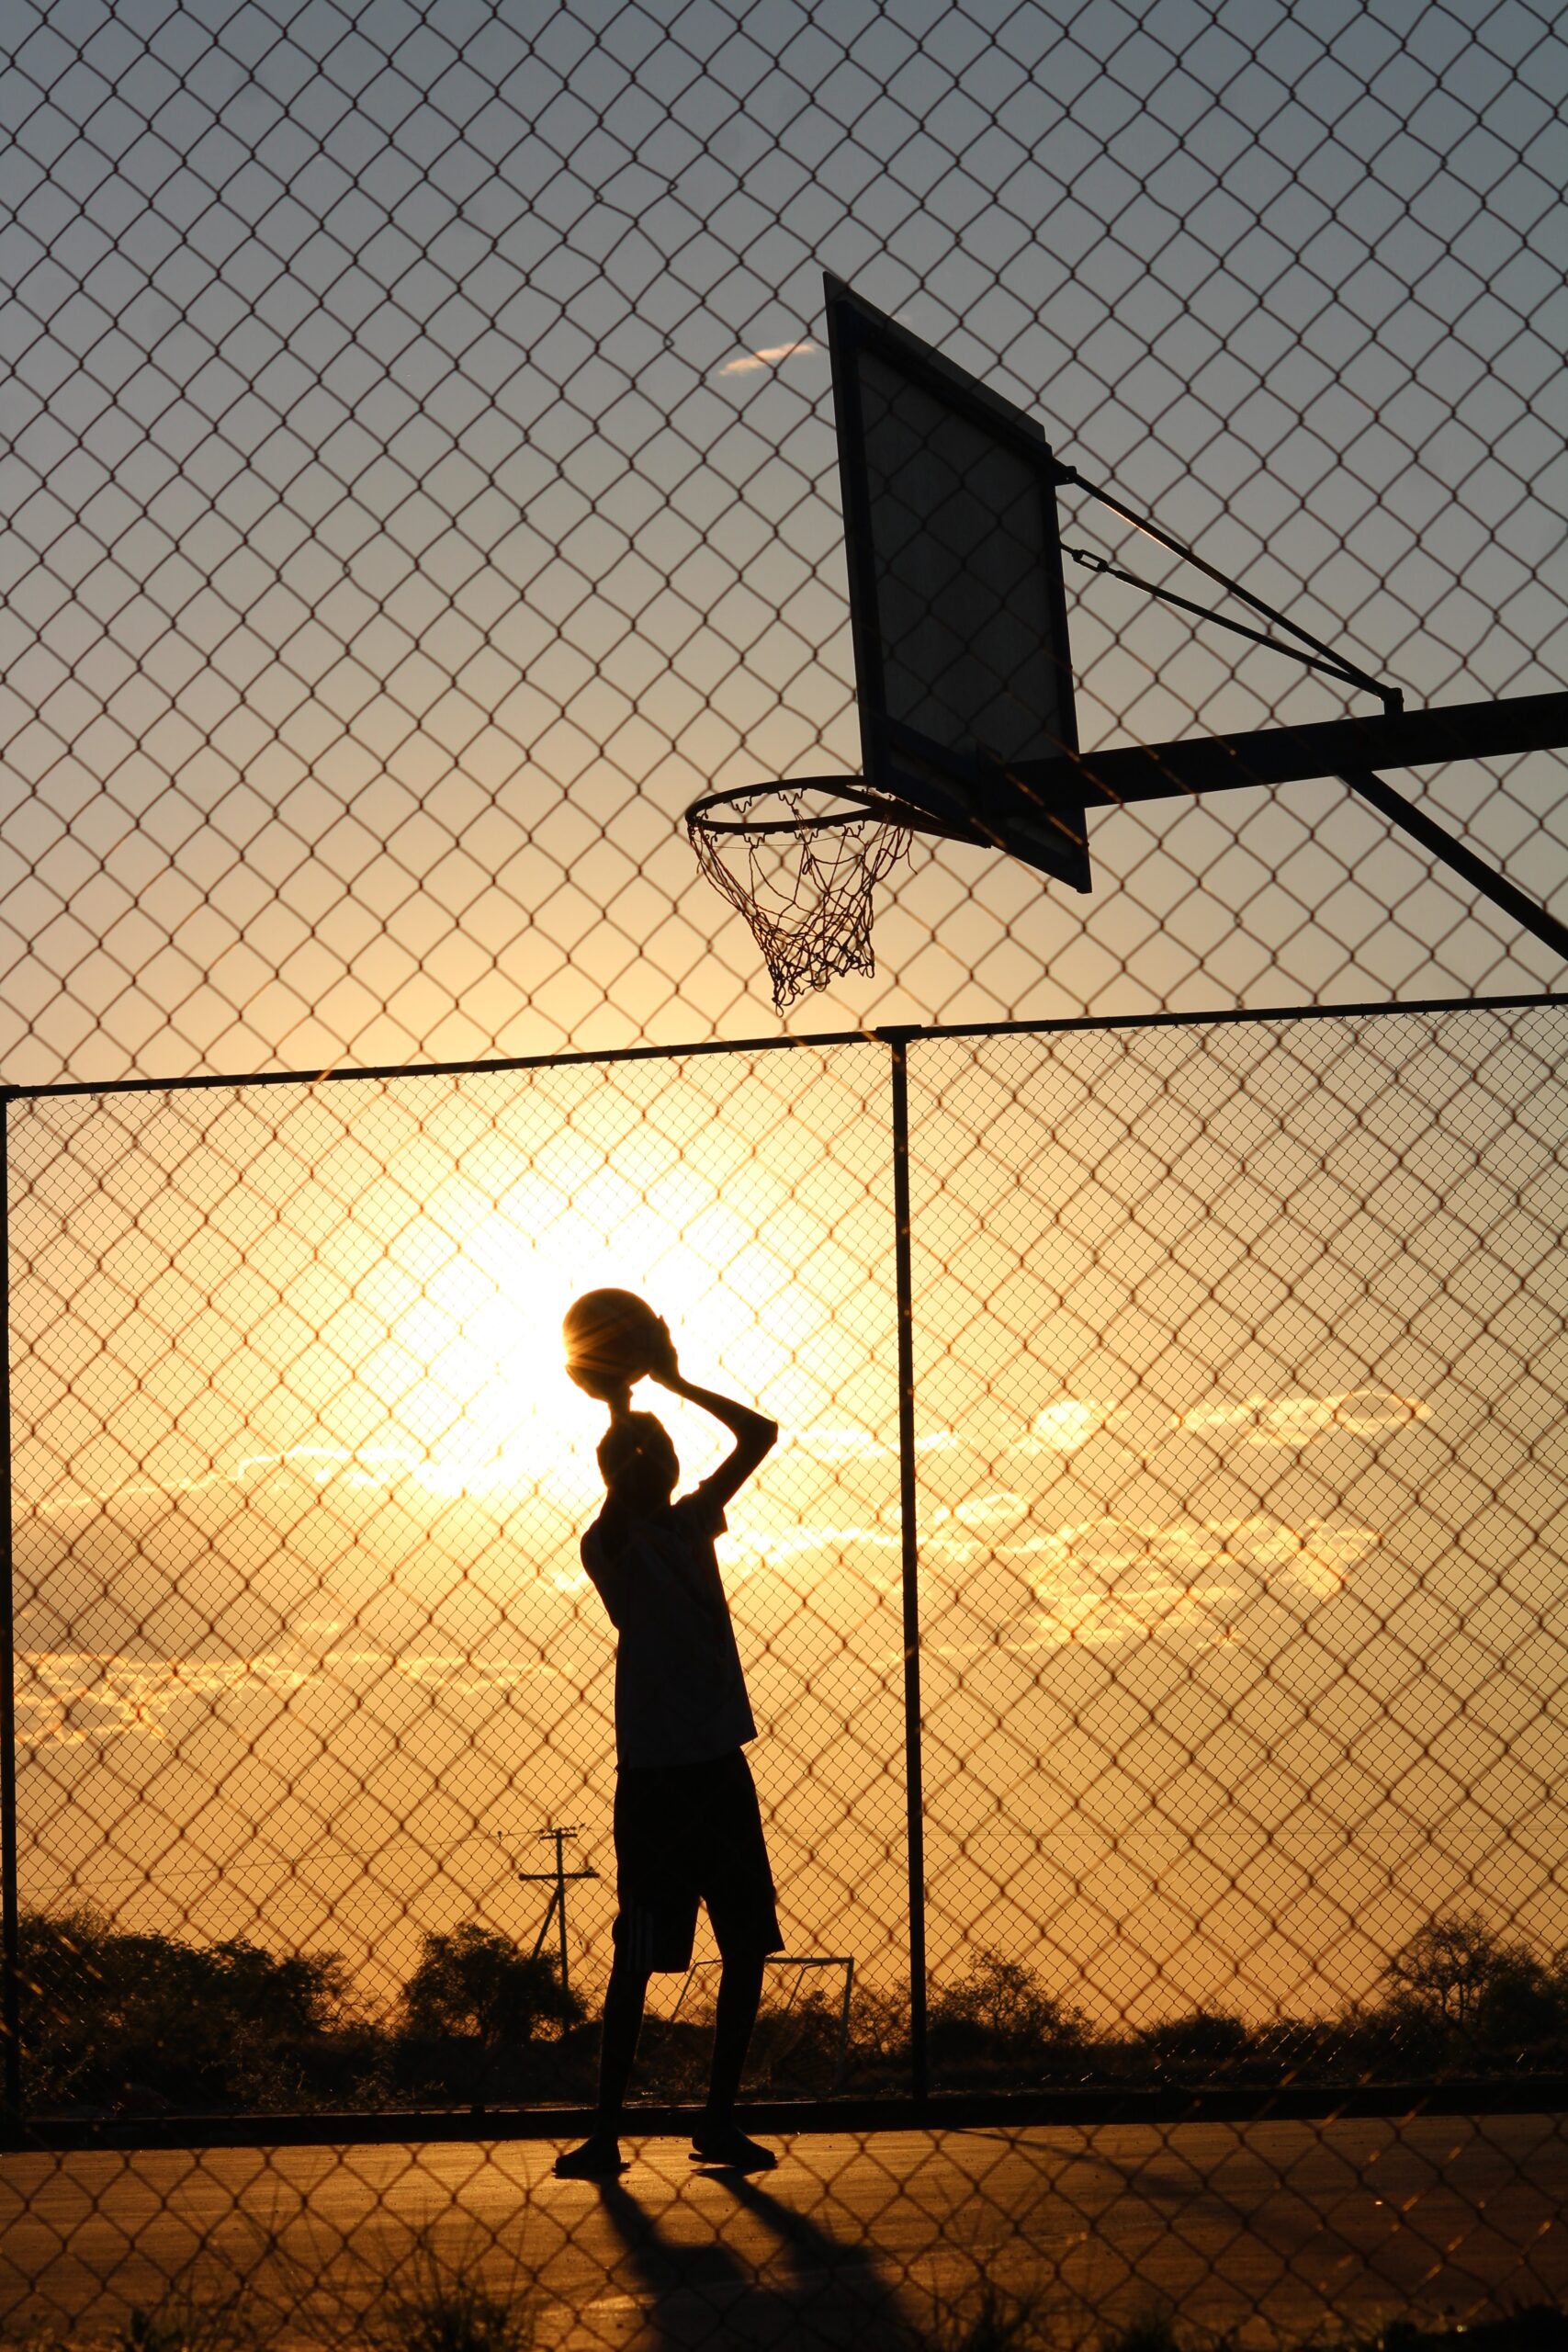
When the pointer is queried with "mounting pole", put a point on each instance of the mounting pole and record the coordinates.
(897, 1040)
(10, 1916)
(1529, 915)
(556, 1908)
(1354, 750)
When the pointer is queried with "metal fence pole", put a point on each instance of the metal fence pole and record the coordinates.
(913, 1785)
(10, 1920)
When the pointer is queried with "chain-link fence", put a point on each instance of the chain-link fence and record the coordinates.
(419, 483)
(1229, 1771)
(1235, 1356)
(310, 1397)
(422, 484)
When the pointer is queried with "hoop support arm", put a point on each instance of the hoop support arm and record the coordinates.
(1352, 748)
(1198, 763)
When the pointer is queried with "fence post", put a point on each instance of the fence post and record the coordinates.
(898, 1042)
(10, 1921)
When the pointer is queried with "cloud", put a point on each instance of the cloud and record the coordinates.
(378, 1468)
(1111, 1580)
(67, 1698)
(1298, 1420)
(1293, 1419)
(1125, 1556)
(363, 1470)
(71, 1696)
(1094, 1619)
(1215, 1559)
(455, 1670)
(768, 1547)
(1001, 1508)
(749, 362)
(824, 1443)
(1191, 1581)
(1062, 1426)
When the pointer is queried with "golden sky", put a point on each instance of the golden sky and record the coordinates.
(1238, 1447)
(422, 481)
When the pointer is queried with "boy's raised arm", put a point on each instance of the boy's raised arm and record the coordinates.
(755, 1436)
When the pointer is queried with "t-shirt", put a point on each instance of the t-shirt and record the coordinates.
(679, 1692)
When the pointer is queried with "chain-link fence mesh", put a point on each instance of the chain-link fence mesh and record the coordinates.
(1236, 1435)
(301, 1483)
(419, 483)
(422, 483)
(1237, 1359)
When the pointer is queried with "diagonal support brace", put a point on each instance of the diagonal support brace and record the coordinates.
(1532, 917)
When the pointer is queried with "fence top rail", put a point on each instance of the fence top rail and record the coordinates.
(899, 1036)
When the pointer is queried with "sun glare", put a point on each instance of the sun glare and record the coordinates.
(494, 1399)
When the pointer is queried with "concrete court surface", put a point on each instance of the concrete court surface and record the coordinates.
(853, 2242)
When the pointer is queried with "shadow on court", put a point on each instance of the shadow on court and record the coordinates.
(813, 2288)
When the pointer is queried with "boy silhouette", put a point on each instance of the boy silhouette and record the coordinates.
(687, 1824)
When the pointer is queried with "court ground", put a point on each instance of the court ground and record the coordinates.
(854, 2241)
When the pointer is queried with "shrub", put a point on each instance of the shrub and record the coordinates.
(102, 2010)
(447, 2307)
(1523, 2004)
(879, 2030)
(999, 2011)
(1206, 2040)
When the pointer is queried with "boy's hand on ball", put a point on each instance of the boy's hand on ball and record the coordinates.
(664, 1365)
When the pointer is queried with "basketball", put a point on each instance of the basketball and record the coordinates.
(613, 1338)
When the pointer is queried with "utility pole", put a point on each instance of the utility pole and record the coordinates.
(556, 1879)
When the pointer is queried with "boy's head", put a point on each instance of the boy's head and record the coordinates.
(638, 1461)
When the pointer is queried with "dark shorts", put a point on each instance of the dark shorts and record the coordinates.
(687, 1834)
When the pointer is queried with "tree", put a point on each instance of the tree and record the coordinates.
(303, 1993)
(879, 2026)
(478, 1981)
(1523, 2001)
(1000, 2008)
(1446, 1964)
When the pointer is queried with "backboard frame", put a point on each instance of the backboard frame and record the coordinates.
(973, 797)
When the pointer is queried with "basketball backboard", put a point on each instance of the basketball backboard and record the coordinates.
(956, 603)
(965, 690)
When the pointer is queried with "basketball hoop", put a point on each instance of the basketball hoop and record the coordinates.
(800, 861)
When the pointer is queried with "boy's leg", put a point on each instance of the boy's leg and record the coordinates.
(624, 1999)
(638, 1813)
(740, 1996)
(599, 2157)
(739, 1887)
(717, 2139)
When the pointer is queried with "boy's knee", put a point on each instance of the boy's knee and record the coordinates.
(743, 1963)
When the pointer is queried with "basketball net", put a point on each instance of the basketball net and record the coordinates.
(804, 881)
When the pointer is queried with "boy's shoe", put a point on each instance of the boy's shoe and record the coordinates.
(598, 2158)
(725, 2145)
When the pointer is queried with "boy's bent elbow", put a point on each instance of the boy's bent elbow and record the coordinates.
(758, 1438)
